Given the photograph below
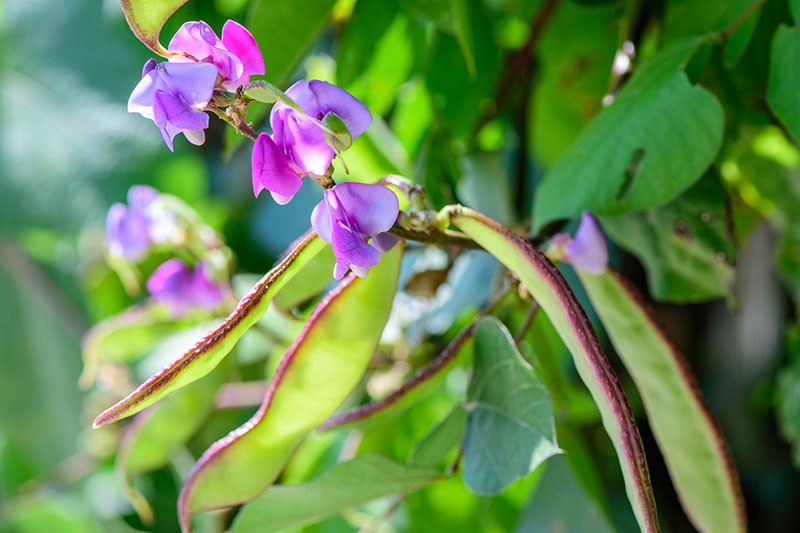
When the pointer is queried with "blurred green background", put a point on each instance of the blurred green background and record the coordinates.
(68, 149)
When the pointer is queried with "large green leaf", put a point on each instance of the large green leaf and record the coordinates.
(147, 17)
(285, 31)
(656, 139)
(696, 456)
(211, 349)
(357, 481)
(510, 427)
(548, 286)
(314, 377)
(370, 20)
(684, 245)
(783, 87)
(560, 503)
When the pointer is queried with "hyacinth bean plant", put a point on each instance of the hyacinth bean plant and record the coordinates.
(320, 395)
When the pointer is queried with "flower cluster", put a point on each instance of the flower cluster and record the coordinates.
(151, 219)
(173, 94)
(298, 145)
(311, 124)
(587, 251)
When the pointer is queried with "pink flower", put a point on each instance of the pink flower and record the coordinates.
(298, 146)
(182, 288)
(236, 55)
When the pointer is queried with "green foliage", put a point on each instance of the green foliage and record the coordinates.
(684, 245)
(510, 428)
(556, 299)
(349, 484)
(784, 79)
(147, 17)
(315, 376)
(696, 456)
(203, 357)
(620, 162)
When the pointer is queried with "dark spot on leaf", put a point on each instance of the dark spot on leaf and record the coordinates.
(705, 217)
(631, 171)
(683, 230)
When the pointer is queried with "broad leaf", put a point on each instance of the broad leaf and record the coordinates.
(656, 139)
(434, 447)
(684, 245)
(510, 427)
(147, 17)
(783, 86)
(368, 23)
(346, 485)
(560, 503)
(556, 299)
(211, 349)
(693, 448)
(285, 31)
(314, 377)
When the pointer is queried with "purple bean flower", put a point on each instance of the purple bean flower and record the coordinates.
(182, 288)
(131, 230)
(173, 96)
(298, 146)
(587, 251)
(236, 55)
(348, 215)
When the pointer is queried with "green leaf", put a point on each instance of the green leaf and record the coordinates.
(147, 17)
(211, 349)
(684, 18)
(368, 23)
(337, 134)
(264, 91)
(787, 396)
(783, 87)
(684, 245)
(693, 448)
(548, 286)
(441, 439)
(285, 31)
(560, 503)
(622, 162)
(314, 377)
(510, 428)
(346, 485)
(461, 20)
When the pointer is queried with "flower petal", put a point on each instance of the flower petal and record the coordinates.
(141, 99)
(191, 82)
(194, 38)
(351, 110)
(242, 44)
(351, 248)
(321, 221)
(306, 143)
(271, 171)
(371, 208)
(170, 109)
(588, 250)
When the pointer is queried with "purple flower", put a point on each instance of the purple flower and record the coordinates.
(587, 250)
(298, 146)
(347, 216)
(172, 95)
(236, 55)
(132, 229)
(182, 288)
